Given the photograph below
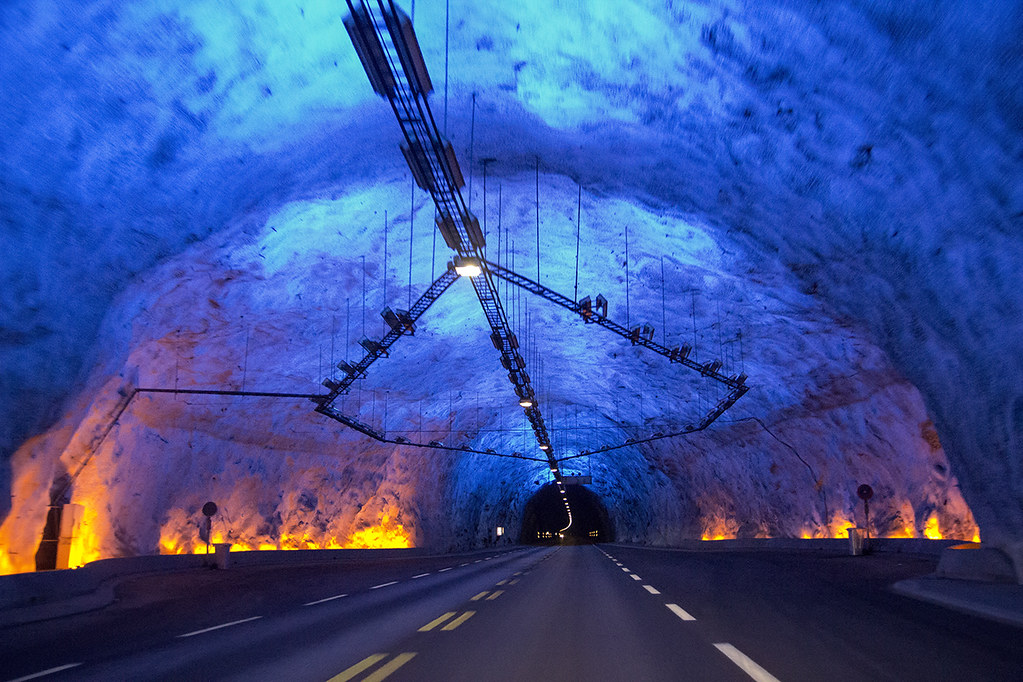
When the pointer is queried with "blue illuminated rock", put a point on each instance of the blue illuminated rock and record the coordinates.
(189, 189)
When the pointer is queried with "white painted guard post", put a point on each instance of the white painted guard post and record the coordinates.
(221, 553)
(856, 540)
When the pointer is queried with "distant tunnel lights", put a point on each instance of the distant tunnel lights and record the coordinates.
(468, 267)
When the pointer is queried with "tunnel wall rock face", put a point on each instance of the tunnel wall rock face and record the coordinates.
(270, 309)
(841, 184)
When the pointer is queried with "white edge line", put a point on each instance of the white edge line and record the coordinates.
(651, 589)
(445, 569)
(680, 612)
(217, 627)
(745, 663)
(49, 671)
(377, 587)
(421, 575)
(320, 601)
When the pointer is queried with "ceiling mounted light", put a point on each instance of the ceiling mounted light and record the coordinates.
(468, 267)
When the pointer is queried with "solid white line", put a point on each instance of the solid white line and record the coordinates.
(217, 627)
(377, 587)
(747, 664)
(48, 671)
(421, 575)
(634, 576)
(445, 569)
(679, 611)
(650, 589)
(320, 601)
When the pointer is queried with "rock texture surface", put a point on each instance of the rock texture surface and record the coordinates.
(189, 189)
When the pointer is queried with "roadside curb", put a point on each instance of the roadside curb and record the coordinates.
(962, 596)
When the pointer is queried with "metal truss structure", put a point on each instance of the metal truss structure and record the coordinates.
(386, 44)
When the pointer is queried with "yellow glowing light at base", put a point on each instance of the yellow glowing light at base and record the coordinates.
(85, 543)
(839, 526)
(932, 530)
(907, 531)
(387, 534)
(720, 528)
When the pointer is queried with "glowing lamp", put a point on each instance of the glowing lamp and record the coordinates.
(525, 402)
(468, 267)
(545, 447)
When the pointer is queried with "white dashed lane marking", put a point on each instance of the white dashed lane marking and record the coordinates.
(679, 611)
(325, 599)
(44, 673)
(747, 664)
(219, 627)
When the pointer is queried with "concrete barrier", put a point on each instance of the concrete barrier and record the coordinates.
(33, 589)
(976, 562)
(831, 545)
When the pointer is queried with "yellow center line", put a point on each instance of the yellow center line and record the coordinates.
(365, 663)
(502, 582)
(392, 665)
(495, 595)
(436, 621)
(458, 621)
(517, 573)
(480, 595)
(514, 581)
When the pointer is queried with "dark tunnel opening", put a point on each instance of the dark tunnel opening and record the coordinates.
(545, 516)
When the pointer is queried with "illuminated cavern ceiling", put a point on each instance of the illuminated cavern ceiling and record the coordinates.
(193, 194)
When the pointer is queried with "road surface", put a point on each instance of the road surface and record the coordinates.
(603, 612)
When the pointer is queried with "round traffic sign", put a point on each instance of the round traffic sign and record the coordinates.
(865, 492)
(209, 509)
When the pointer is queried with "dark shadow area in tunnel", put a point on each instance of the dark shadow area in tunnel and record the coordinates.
(545, 515)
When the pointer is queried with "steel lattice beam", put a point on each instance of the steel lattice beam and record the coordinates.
(387, 47)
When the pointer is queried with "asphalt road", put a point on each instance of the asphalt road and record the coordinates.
(571, 613)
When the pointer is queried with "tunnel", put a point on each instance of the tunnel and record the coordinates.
(458, 330)
(724, 284)
(545, 516)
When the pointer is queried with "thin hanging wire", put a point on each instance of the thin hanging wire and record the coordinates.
(411, 234)
(628, 315)
(363, 297)
(578, 219)
(664, 318)
(472, 148)
(447, 28)
(538, 220)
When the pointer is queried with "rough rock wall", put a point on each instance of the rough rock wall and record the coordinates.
(865, 155)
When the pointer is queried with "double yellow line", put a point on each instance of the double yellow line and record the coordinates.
(380, 673)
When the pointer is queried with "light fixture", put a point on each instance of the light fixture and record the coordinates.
(525, 402)
(467, 267)
(545, 447)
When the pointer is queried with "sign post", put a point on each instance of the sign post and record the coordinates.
(208, 510)
(865, 492)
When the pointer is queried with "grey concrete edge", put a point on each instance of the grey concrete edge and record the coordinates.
(56, 594)
(914, 588)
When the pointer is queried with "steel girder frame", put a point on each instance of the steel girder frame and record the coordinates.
(387, 46)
